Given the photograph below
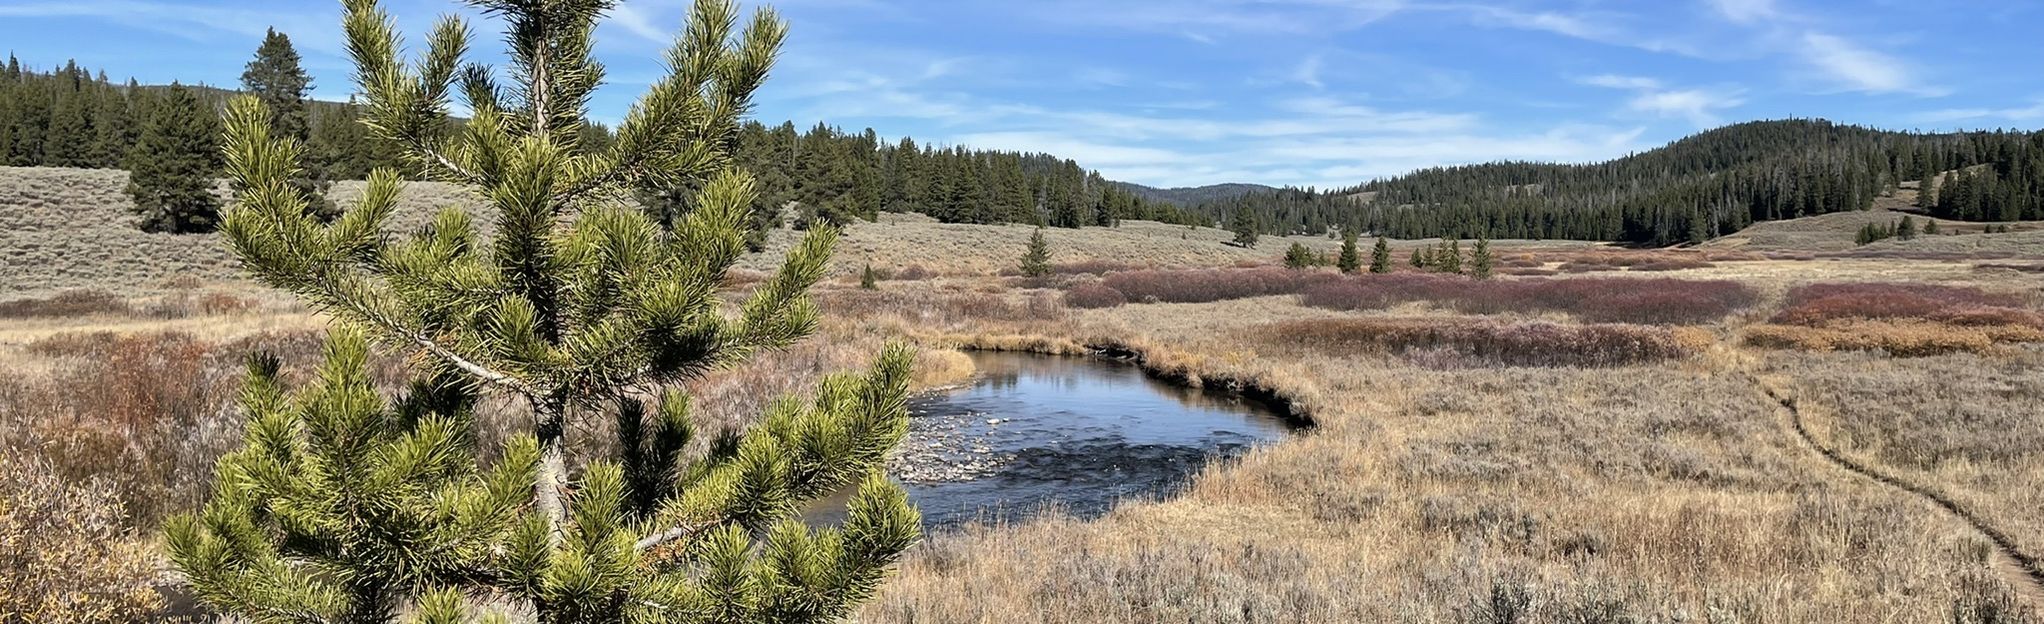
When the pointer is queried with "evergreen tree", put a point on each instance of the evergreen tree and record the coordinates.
(1244, 226)
(1298, 257)
(70, 139)
(1930, 227)
(1418, 259)
(276, 78)
(1448, 258)
(1906, 229)
(341, 507)
(172, 167)
(868, 279)
(1036, 261)
(1380, 257)
(114, 130)
(1351, 259)
(1480, 262)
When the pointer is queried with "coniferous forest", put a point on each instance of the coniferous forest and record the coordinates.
(1706, 185)
(71, 117)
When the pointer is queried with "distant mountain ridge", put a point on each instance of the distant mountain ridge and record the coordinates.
(1691, 190)
(1195, 195)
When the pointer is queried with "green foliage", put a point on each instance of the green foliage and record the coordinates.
(1480, 261)
(1380, 257)
(1447, 257)
(868, 279)
(1351, 260)
(1930, 227)
(172, 167)
(1036, 261)
(1243, 224)
(1299, 257)
(1418, 260)
(1906, 229)
(276, 78)
(342, 507)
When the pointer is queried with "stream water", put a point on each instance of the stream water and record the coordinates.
(1080, 434)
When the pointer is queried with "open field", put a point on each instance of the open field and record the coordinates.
(1609, 447)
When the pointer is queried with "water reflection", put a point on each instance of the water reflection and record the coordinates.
(1080, 433)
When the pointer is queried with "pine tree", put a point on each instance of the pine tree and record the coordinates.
(1930, 227)
(1351, 259)
(1036, 261)
(1418, 259)
(114, 130)
(69, 142)
(1449, 257)
(868, 279)
(276, 78)
(172, 167)
(1480, 261)
(1906, 230)
(341, 507)
(1380, 257)
(1243, 225)
(1298, 257)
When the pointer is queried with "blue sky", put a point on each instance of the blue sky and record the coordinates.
(1188, 92)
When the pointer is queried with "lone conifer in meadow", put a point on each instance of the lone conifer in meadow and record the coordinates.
(1906, 230)
(1380, 257)
(1930, 227)
(1243, 225)
(277, 79)
(1036, 261)
(1298, 257)
(1351, 259)
(1480, 261)
(1419, 258)
(171, 170)
(342, 508)
(869, 279)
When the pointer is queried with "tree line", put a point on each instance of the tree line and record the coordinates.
(1713, 183)
(70, 117)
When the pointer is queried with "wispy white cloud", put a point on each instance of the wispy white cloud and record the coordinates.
(1699, 106)
(1746, 11)
(2029, 113)
(1856, 68)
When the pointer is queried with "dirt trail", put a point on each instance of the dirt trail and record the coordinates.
(2023, 573)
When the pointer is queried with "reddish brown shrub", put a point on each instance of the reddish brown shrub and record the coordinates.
(1815, 304)
(1205, 285)
(67, 303)
(1092, 267)
(1094, 296)
(64, 554)
(1464, 343)
(1657, 301)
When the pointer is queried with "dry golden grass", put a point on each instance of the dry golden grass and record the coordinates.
(1672, 490)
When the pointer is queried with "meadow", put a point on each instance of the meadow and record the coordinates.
(1749, 433)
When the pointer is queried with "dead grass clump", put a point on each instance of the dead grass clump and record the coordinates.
(64, 556)
(1455, 344)
(1209, 285)
(1907, 338)
(911, 273)
(1094, 295)
(1605, 300)
(186, 305)
(1673, 264)
(65, 304)
(1990, 267)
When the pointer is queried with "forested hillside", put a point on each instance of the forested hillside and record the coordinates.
(1693, 189)
(71, 117)
(1195, 195)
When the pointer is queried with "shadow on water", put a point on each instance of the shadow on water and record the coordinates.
(1080, 434)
